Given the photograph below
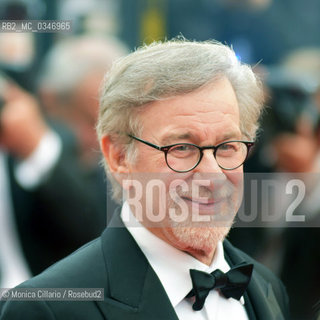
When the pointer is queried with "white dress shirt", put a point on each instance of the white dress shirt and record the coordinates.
(29, 174)
(13, 267)
(172, 268)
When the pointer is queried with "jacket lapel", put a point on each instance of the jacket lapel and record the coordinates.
(133, 290)
(263, 299)
(259, 298)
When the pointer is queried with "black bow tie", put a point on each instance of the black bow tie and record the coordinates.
(232, 284)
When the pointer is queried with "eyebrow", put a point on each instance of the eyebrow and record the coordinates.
(177, 136)
(233, 135)
(189, 135)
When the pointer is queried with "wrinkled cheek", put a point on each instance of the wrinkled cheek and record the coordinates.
(236, 179)
(235, 176)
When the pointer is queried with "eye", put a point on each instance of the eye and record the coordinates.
(182, 147)
(229, 148)
(183, 150)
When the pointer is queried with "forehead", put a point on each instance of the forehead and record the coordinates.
(204, 113)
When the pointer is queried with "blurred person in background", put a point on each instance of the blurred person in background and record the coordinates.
(306, 61)
(21, 129)
(291, 121)
(68, 87)
(55, 191)
(302, 245)
(288, 144)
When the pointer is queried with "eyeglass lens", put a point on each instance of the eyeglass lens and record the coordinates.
(184, 157)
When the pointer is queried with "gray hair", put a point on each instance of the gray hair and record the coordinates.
(162, 70)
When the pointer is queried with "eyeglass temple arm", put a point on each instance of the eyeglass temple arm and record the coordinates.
(145, 142)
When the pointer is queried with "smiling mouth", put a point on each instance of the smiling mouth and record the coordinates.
(202, 206)
(202, 201)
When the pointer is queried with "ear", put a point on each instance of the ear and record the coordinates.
(114, 155)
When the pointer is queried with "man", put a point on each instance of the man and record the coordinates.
(175, 125)
(73, 99)
(41, 184)
(54, 182)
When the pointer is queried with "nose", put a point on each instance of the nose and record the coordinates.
(208, 171)
(208, 163)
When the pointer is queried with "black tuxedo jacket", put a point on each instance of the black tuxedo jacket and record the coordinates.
(132, 290)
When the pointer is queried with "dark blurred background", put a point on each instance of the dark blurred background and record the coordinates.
(259, 30)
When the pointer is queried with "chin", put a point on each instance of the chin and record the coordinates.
(201, 237)
(197, 239)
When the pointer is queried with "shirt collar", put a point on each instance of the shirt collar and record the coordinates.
(170, 264)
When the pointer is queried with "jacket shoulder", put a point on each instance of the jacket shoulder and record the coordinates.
(85, 268)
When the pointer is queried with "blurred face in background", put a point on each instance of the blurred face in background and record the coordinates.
(78, 109)
(83, 113)
(296, 152)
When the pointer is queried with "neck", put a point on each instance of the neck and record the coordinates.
(204, 255)
(205, 258)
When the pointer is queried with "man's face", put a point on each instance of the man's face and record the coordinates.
(207, 193)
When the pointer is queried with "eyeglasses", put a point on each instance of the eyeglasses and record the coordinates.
(184, 157)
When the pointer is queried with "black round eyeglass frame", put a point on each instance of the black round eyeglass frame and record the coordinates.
(166, 149)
